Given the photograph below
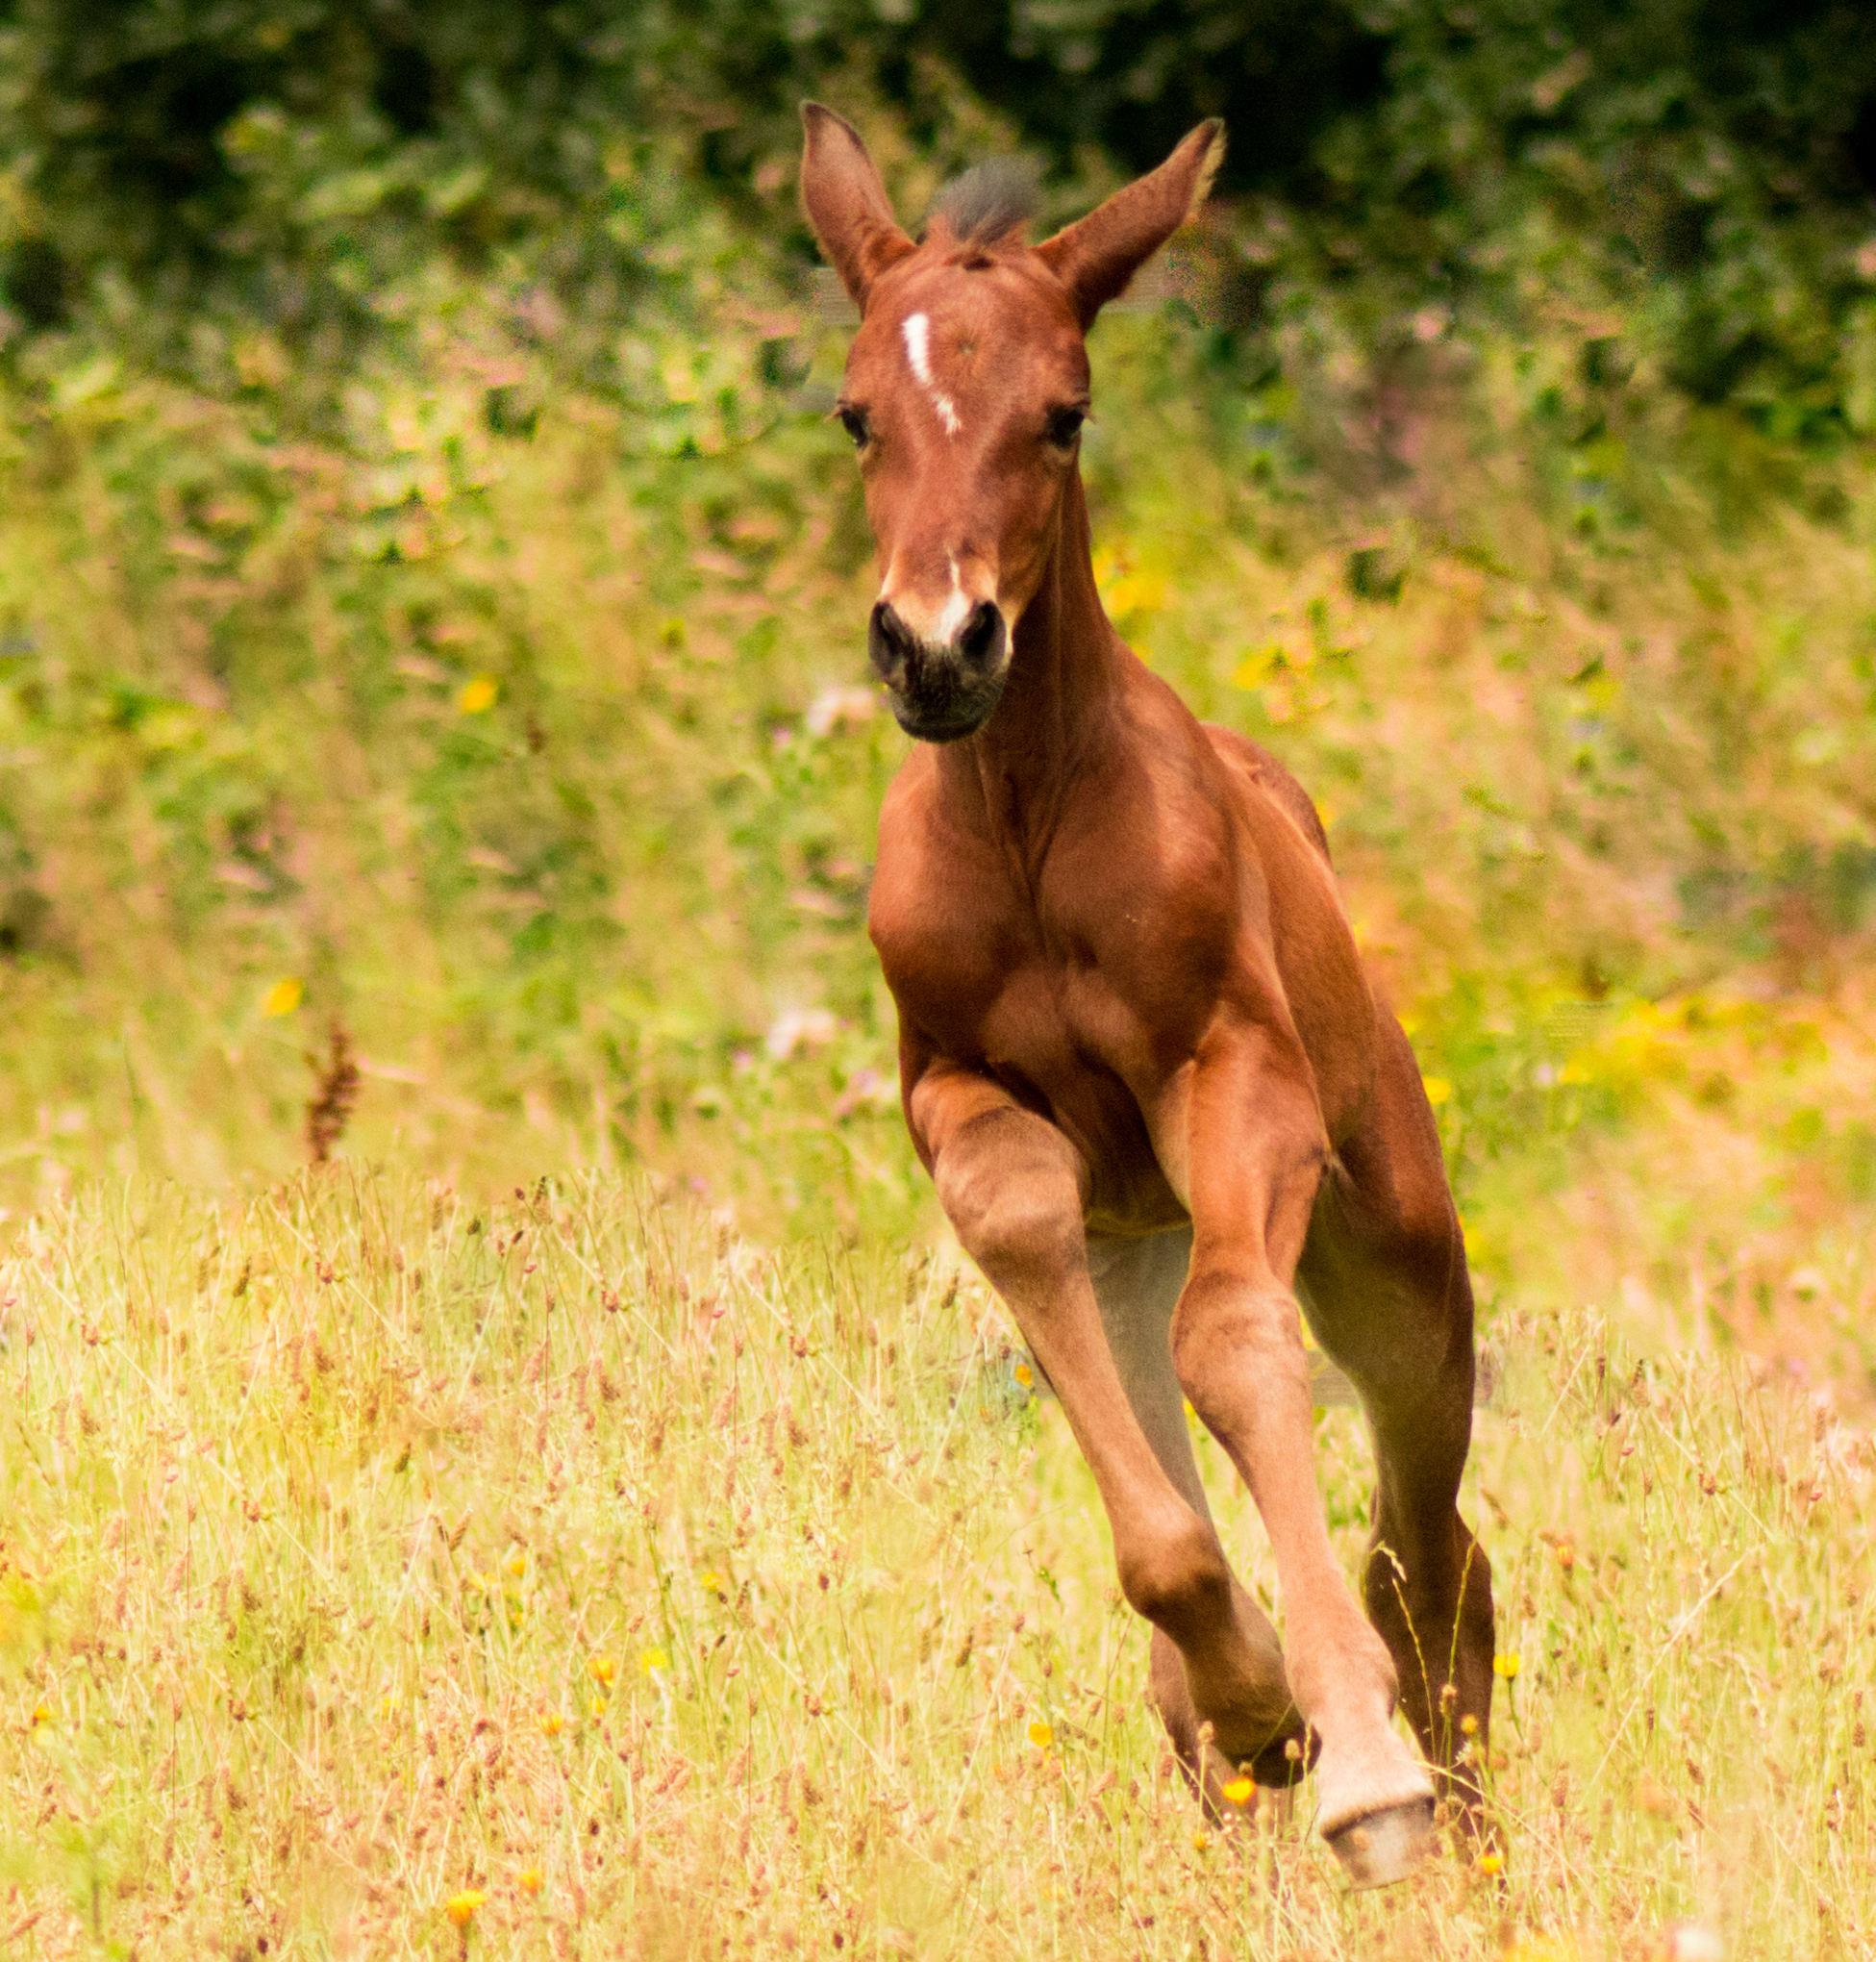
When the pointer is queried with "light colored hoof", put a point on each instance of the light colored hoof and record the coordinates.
(1385, 1846)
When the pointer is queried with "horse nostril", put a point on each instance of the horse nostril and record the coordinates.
(980, 643)
(889, 643)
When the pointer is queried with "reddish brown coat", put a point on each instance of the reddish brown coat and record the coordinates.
(1138, 1051)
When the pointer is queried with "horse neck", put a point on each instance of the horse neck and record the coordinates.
(1057, 705)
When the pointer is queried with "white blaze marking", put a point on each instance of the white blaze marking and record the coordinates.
(935, 634)
(918, 330)
(956, 611)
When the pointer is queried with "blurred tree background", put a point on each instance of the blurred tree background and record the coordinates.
(1709, 166)
(430, 596)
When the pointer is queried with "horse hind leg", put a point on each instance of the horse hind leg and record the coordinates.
(1136, 1284)
(1385, 1285)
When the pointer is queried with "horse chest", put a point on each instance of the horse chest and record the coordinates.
(1065, 1046)
(1025, 1000)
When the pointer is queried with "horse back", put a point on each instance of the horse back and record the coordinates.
(1270, 776)
(1325, 986)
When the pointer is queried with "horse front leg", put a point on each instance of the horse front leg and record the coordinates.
(1014, 1189)
(1137, 1283)
(1254, 1150)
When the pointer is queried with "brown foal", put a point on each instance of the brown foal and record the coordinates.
(1138, 1052)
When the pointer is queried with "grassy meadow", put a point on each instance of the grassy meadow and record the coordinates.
(595, 1513)
(388, 1573)
(524, 736)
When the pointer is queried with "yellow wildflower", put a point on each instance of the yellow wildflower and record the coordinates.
(1025, 1375)
(551, 1723)
(1439, 1091)
(1041, 1735)
(597, 1707)
(711, 1583)
(1543, 1948)
(652, 1661)
(284, 996)
(1505, 1666)
(478, 696)
(1201, 1839)
(461, 1907)
(41, 1714)
(1468, 1726)
(1491, 1863)
(517, 1565)
(387, 1707)
(527, 1881)
(1239, 1790)
(603, 1669)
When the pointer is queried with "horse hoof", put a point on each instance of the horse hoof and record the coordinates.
(1385, 1846)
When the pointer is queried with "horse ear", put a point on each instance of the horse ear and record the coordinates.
(1096, 256)
(847, 203)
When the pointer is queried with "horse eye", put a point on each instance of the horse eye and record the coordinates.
(854, 422)
(1064, 425)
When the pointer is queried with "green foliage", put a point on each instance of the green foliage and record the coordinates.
(324, 173)
(489, 685)
(1709, 169)
(255, 192)
(495, 791)
(530, 749)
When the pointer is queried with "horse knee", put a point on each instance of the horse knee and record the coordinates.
(1008, 1205)
(1231, 1329)
(1178, 1579)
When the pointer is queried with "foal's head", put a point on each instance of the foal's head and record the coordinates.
(966, 390)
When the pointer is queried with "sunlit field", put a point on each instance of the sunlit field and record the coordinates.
(498, 1453)
(542, 765)
(386, 1574)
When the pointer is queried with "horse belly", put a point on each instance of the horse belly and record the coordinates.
(1129, 1192)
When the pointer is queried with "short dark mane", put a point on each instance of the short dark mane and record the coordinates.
(989, 202)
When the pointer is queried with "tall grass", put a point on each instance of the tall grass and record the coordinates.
(647, 1592)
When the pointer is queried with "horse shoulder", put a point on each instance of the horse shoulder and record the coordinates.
(1144, 888)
